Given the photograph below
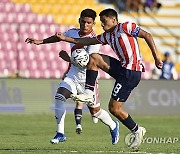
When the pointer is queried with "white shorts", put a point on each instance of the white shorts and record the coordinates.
(78, 88)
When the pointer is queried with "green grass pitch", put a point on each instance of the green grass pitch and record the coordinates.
(31, 134)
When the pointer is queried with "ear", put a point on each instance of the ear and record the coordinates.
(114, 19)
(94, 23)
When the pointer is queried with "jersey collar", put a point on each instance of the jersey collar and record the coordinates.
(81, 35)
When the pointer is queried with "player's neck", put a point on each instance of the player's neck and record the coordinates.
(81, 33)
(111, 29)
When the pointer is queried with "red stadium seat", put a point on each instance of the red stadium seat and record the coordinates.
(21, 55)
(4, 1)
(26, 8)
(11, 18)
(22, 65)
(35, 74)
(50, 56)
(2, 54)
(24, 73)
(48, 19)
(42, 65)
(11, 29)
(56, 73)
(148, 70)
(46, 73)
(40, 55)
(12, 66)
(2, 17)
(10, 55)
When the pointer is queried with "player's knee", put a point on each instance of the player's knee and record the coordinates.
(63, 91)
(97, 61)
(94, 56)
(79, 105)
(113, 107)
(94, 111)
(113, 110)
(93, 61)
(60, 97)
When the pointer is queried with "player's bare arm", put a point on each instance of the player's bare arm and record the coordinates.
(64, 55)
(83, 41)
(33, 41)
(51, 39)
(149, 40)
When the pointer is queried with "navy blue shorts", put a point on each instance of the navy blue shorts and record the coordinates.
(126, 80)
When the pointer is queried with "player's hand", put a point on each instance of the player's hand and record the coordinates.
(62, 53)
(61, 36)
(33, 41)
(158, 63)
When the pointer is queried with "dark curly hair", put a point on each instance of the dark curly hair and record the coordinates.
(88, 13)
(109, 13)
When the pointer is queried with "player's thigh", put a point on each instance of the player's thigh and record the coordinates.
(121, 91)
(124, 84)
(67, 85)
(79, 105)
(110, 65)
(114, 65)
(99, 61)
(65, 92)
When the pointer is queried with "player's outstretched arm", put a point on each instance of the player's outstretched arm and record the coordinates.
(83, 41)
(64, 55)
(150, 42)
(51, 39)
(33, 41)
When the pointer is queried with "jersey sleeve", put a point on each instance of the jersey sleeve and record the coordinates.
(93, 48)
(131, 28)
(102, 38)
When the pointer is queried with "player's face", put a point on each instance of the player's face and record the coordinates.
(108, 23)
(86, 24)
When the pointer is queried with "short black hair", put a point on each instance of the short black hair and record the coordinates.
(109, 13)
(88, 13)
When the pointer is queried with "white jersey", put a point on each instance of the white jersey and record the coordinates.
(76, 73)
(76, 76)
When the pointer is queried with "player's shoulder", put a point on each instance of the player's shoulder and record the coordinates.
(74, 29)
(91, 34)
(129, 27)
(127, 24)
(72, 32)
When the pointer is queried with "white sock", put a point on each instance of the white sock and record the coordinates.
(105, 118)
(60, 112)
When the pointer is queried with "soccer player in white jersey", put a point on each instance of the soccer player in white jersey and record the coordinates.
(122, 37)
(74, 81)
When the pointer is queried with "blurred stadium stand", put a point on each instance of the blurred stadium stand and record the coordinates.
(20, 19)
